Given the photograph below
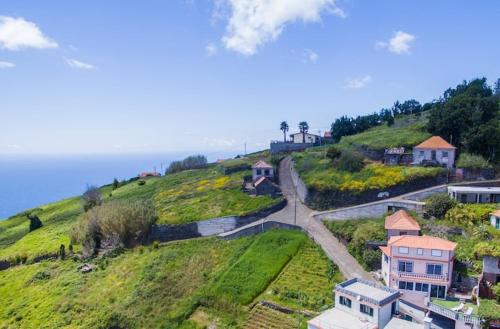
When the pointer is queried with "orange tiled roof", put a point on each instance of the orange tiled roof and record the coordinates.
(496, 213)
(435, 142)
(401, 220)
(386, 250)
(424, 242)
(262, 164)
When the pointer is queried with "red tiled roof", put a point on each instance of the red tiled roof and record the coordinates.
(496, 213)
(435, 142)
(149, 174)
(425, 242)
(328, 134)
(401, 220)
(261, 165)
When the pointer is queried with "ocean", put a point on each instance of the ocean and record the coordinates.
(29, 181)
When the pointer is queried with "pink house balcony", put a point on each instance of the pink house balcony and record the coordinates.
(420, 276)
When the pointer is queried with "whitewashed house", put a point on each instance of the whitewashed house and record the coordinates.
(435, 150)
(307, 138)
(262, 169)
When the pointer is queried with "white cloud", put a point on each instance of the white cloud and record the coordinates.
(6, 65)
(256, 22)
(311, 56)
(17, 33)
(400, 43)
(211, 49)
(358, 83)
(78, 65)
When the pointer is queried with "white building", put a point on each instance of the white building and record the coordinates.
(495, 219)
(435, 149)
(307, 138)
(474, 194)
(360, 304)
(262, 169)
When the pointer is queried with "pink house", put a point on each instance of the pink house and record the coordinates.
(401, 223)
(419, 266)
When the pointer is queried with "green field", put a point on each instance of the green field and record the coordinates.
(318, 172)
(179, 198)
(164, 287)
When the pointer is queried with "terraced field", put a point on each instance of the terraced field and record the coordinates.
(265, 317)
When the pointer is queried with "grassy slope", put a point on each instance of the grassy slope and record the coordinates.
(306, 282)
(318, 172)
(179, 198)
(151, 288)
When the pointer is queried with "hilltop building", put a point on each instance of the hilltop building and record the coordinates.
(434, 150)
(401, 223)
(304, 138)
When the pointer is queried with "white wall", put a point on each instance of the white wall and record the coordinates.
(427, 155)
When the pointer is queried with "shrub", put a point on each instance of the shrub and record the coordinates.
(127, 223)
(438, 204)
(115, 184)
(350, 161)
(91, 198)
(333, 153)
(35, 222)
(472, 161)
(141, 182)
(191, 162)
(470, 214)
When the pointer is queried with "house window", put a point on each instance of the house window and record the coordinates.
(405, 285)
(421, 153)
(404, 250)
(436, 252)
(259, 172)
(386, 259)
(403, 233)
(266, 172)
(444, 154)
(424, 287)
(405, 266)
(435, 269)
(366, 309)
(345, 301)
(420, 251)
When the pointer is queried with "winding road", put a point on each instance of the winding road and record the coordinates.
(299, 214)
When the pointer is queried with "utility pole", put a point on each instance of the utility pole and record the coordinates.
(295, 208)
(245, 148)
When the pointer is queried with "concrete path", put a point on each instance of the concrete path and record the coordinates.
(299, 214)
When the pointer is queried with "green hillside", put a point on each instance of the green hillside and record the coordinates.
(179, 198)
(161, 287)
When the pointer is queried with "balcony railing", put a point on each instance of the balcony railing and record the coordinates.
(457, 316)
(422, 276)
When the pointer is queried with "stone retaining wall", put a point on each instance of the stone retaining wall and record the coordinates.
(209, 227)
(334, 198)
(371, 210)
(300, 186)
(256, 229)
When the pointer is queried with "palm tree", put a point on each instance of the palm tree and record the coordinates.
(284, 128)
(303, 127)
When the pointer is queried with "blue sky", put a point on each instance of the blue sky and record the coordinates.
(156, 76)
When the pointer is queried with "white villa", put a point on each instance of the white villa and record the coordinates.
(299, 138)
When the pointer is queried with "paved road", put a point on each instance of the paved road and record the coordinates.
(299, 214)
